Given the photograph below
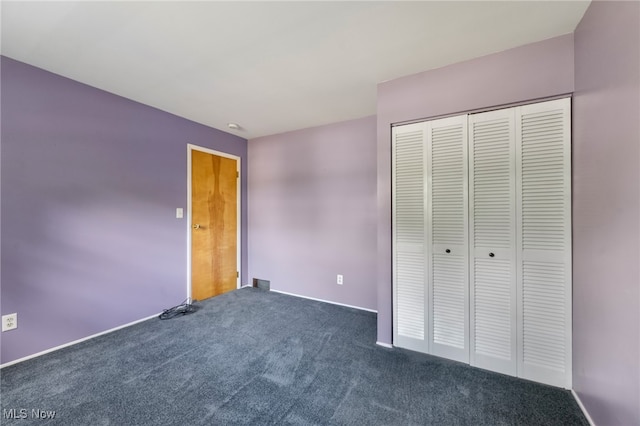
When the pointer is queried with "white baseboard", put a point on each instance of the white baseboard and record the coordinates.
(325, 301)
(384, 345)
(75, 342)
(584, 410)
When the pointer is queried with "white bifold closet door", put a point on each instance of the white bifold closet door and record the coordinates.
(410, 295)
(430, 255)
(492, 201)
(481, 211)
(520, 227)
(447, 238)
(543, 177)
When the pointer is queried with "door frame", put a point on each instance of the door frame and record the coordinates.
(190, 149)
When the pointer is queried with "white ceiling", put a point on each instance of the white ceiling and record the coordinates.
(268, 66)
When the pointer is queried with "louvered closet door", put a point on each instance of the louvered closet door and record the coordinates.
(543, 144)
(409, 248)
(447, 237)
(492, 223)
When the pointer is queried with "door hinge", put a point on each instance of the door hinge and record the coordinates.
(237, 274)
(237, 174)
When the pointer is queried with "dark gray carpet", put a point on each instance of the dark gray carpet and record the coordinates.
(258, 357)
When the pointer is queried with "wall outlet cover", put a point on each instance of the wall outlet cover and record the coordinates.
(9, 322)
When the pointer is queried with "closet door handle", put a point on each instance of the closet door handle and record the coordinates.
(491, 254)
(447, 251)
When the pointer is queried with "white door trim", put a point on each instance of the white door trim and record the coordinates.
(190, 148)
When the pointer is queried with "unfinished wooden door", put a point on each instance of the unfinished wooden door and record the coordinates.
(214, 224)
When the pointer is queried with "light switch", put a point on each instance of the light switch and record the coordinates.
(179, 213)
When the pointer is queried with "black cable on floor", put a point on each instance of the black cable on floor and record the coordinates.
(184, 308)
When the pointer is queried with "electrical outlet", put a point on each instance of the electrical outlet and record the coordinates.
(9, 322)
(339, 280)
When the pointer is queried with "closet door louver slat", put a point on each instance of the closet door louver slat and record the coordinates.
(409, 251)
(447, 237)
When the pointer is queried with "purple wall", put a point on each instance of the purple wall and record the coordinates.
(90, 184)
(312, 211)
(524, 73)
(606, 203)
